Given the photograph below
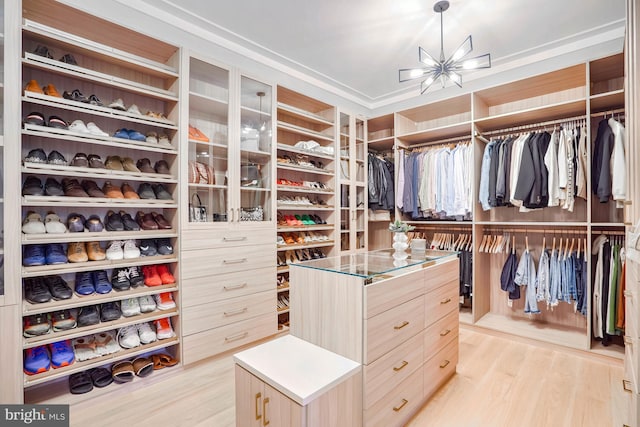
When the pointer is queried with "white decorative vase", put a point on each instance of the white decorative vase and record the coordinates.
(400, 245)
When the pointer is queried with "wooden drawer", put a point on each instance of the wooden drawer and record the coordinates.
(439, 368)
(207, 239)
(631, 364)
(215, 341)
(631, 313)
(441, 274)
(440, 302)
(201, 290)
(392, 368)
(386, 294)
(399, 405)
(212, 262)
(391, 328)
(207, 316)
(440, 333)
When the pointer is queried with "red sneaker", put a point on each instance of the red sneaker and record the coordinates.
(163, 328)
(165, 275)
(151, 276)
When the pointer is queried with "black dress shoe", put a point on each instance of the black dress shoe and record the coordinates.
(113, 222)
(53, 187)
(129, 222)
(36, 291)
(58, 287)
(88, 316)
(32, 186)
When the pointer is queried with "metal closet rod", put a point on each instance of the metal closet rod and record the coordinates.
(442, 229)
(607, 112)
(457, 139)
(609, 232)
(533, 231)
(531, 126)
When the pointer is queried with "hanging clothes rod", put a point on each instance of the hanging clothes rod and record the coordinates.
(609, 232)
(458, 139)
(441, 228)
(608, 112)
(502, 229)
(530, 126)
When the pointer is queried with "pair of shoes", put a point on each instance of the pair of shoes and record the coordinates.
(135, 306)
(39, 359)
(85, 251)
(42, 289)
(197, 135)
(36, 325)
(87, 129)
(153, 191)
(33, 86)
(125, 278)
(90, 282)
(119, 249)
(36, 118)
(153, 247)
(50, 254)
(131, 134)
(121, 164)
(152, 221)
(133, 335)
(37, 155)
(157, 275)
(120, 221)
(155, 115)
(33, 187)
(95, 345)
(84, 381)
(163, 360)
(77, 223)
(163, 328)
(33, 224)
(125, 371)
(160, 139)
(164, 301)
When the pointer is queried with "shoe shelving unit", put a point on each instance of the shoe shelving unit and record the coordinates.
(301, 118)
(231, 133)
(140, 71)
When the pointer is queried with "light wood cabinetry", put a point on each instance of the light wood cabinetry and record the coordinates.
(401, 324)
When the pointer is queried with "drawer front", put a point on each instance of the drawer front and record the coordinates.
(216, 341)
(440, 302)
(206, 239)
(391, 328)
(441, 333)
(392, 368)
(203, 317)
(441, 274)
(212, 262)
(439, 368)
(201, 290)
(386, 294)
(399, 405)
(631, 313)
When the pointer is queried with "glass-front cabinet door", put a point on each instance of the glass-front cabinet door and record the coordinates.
(345, 182)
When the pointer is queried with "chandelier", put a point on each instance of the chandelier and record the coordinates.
(444, 69)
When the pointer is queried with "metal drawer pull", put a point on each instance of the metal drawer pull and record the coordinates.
(397, 408)
(237, 337)
(233, 287)
(444, 364)
(265, 422)
(234, 239)
(235, 312)
(234, 261)
(402, 365)
(446, 301)
(258, 396)
(402, 325)
(626, 386)
(445, 332)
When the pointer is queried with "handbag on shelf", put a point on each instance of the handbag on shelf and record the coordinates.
(200, 173)
(197, 212)
(252, 214)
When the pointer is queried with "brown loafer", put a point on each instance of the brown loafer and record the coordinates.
(145, 221)
(76, 252)
(128, 165)
(129, 192)
(92, 188)
(161, 221)
(142, 366)
(114, 163)
(95, 161)
(145, 165)
(72, 188)
(111, 191)
(123, 372)
(95, 251)
(162, 167)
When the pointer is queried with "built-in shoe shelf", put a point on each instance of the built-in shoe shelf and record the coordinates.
(74, 267)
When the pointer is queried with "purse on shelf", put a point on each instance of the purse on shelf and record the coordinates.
(251, 214)
(197, 212)
(200, 173)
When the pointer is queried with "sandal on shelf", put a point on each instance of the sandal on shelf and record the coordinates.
(122, 371)
(101, 377)
(80, 383)
(142, 366)
(163, 361)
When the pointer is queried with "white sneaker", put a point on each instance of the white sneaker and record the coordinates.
(130, 307)
(114, 251)
(118, 104)
(165, 301)
(78, 126)
(147, 303)
(128, 337)
(146, 333)
(134, 109)
(32, 224)
(130, 250)
(95, 130)
(163, 139)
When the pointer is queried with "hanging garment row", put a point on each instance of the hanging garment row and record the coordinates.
(435, 182)
(380, 182)
(608, 165)
(608, 288)
(561, 275)
(535, 170)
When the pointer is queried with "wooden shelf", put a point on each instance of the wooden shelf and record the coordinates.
(209, 104)
(282, 248)
(86, 236)
(570, 108)
(299, 130)
(51, 201)
(304, 208)
(292, 149)
(602, 102)
(283, 269)
(82, 172)
(304, 115)
(462, 130)
(283, 310)
(71, 267)
(304, 169)
(308, 190)
(318, 227)
(532, 223)
(209, 186)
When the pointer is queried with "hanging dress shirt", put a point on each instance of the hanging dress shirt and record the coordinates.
(551, 162)
(618, 164)
(400, 188)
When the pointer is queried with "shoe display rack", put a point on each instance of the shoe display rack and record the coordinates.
(104, 112)
(228, 223)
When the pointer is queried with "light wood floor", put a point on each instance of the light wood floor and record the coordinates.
(499, 382)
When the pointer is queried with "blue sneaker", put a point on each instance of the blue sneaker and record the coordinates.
(36, 360)
(84, 283)
(121, 133)
(101, 282)
(136, 136)
(34, 255)
(61, 354)
(55, 254)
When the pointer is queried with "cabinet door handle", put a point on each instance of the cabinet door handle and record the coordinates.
(238, 213)
(234, 239)
(402, 325)
(445, 301)
(397, 408)
(444, 364)
(258, 397)
(234, 287)
(265, 422)
(234, 261)
(236, 337)
(445, 332)
(402, 365)
(235, 312)
(626, 386)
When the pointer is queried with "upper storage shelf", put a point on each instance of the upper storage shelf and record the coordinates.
(301, 118)
(606, 77)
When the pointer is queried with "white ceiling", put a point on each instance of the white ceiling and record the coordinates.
(357, 46)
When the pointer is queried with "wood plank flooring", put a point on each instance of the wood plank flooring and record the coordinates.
(498, 383)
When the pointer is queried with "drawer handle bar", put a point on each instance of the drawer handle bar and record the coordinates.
(445, 332)
(444, 364)
(626, 386)
(236, 337)
(265, 422)
(234, 239)
(397, 408)
(446, 301)
(402, 325)
(233, 287)
(401, 367)
(235, 312)
(258, 396)
(234, 261)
